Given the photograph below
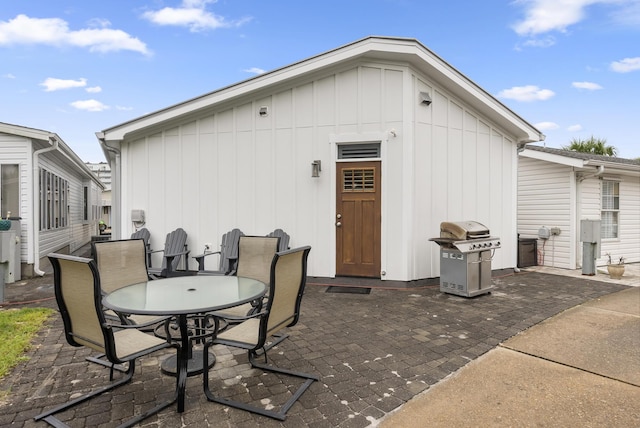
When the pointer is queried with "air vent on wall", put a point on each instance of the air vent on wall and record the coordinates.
(359, 151)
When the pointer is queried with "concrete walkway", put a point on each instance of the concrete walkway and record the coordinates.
(543, 349)
(580, 368)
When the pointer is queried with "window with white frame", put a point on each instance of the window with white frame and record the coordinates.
(610, 209)
(54, 201)
(9, 190)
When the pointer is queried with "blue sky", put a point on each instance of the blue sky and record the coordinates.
(569, 67)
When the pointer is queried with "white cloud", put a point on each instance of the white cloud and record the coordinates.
(547, 126)
(89, 105)
(52, 84)
(8, 76)
(574, 128)
(542, 16)
(94, 89)
(55, 32)
(540, 43)
(254, 70)
(191, 14)
(626, 65)
(586, 85)
(526, 93)
(123, 108)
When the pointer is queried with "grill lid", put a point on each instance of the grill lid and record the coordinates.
(463, 230)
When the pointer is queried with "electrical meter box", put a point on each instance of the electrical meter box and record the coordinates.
(137, 216)
(590, 231)
(544, 233)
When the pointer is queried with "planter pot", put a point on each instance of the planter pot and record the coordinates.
(615, 271)
(5, 224)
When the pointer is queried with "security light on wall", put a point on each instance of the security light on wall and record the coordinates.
(425, 98)
(316, 167)
(263, 111)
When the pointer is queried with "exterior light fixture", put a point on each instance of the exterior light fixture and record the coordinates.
(316, 167)
(263, 111)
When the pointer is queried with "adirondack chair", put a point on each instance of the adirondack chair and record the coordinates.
(145, 235)
(284, 238)
(228, 255)
(175, 248)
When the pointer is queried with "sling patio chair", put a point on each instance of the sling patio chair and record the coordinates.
(282, 309)
(175, 249)
(121, 263)
(228, 255)
(145, 235)
(255, 254)
(79, 298)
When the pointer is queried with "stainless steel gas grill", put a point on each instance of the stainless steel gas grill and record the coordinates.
(466, 250)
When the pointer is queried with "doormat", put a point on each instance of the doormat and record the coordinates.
(350, 290)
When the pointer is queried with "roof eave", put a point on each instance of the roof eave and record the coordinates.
(409, 50)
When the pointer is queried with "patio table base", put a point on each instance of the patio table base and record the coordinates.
(195, 364)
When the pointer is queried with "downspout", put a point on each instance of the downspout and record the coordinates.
(35, 226)
(598, 173)
(116, 228)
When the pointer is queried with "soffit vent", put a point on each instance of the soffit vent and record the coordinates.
(359, 151)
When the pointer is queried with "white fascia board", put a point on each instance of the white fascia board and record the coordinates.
(553, 158)
(22, 131)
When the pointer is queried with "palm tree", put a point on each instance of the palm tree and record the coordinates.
(596, 146)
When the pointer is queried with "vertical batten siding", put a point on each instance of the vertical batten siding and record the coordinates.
(234, 168)
(469, 176)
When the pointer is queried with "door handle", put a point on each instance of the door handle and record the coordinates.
(339, 216)
(338, 224)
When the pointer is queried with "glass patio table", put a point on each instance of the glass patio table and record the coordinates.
(181, 297)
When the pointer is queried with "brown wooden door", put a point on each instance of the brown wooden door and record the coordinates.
(358, 219)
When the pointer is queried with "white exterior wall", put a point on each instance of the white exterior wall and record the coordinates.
(17, 150)
(78, 232)
(465, 169)
(552, 195)
(627, 244)
(233, 168)
(546, 197)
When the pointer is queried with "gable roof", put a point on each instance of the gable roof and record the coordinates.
(43, 139)
(404, 50)
(579, 159)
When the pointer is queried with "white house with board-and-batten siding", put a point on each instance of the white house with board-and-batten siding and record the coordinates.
(54, 199)
(404, 141)
(559, 188)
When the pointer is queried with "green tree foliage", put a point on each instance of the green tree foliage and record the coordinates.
(596, 146)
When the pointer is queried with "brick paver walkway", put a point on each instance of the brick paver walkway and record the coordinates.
(372, 353)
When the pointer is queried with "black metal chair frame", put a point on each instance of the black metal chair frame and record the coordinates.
(261, 347)
(109, 345)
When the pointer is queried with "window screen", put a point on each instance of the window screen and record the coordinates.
(610, 209)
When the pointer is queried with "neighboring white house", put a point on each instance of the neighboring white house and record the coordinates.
(103, 171)
(559, 188)
(401, 141)
(50, 190)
